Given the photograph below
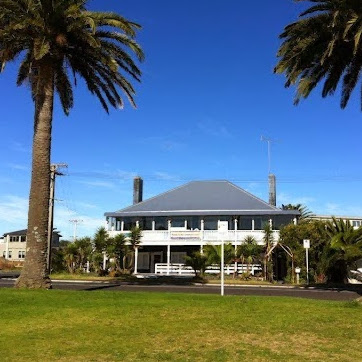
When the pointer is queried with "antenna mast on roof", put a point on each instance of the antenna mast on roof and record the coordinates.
(269, 141)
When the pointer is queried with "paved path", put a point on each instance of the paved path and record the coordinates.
(311, 293)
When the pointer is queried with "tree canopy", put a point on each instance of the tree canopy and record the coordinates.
(325, 44)
(57, 43)
(74, 40)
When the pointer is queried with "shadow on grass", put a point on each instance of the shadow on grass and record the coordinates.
(100, 287)
(161, 280)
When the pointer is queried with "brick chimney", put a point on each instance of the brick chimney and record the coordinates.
(137, 190)
(272, 190)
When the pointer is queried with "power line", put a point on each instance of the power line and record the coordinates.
(153, 178)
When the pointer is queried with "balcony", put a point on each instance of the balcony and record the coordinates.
(195, 237)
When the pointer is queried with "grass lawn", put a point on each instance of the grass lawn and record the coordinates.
(115, 326)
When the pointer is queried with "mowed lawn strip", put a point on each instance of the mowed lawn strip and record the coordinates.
(58, 325)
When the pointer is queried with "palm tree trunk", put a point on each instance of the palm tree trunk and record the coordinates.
(34, 273)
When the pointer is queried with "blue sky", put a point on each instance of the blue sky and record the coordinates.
(208, 93)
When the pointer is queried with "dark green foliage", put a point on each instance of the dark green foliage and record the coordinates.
(77, 254)
(116, 250)
(345, 248)
(305, 213)
(95, 46)
(324, 45)
(293, 236)
(249, 252)
(213, 253)
(134, 240)
(335, 246)
(119, 250)
(100, 240)
(198, 262)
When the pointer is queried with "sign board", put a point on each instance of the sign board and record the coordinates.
(306, 243)
(297, 270)
(223, 228)
(185, 235)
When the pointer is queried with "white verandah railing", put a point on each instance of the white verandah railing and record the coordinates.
(153, 237)
(182, 269)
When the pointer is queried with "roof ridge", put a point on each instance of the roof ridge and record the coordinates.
(253, 196)
(154, 197)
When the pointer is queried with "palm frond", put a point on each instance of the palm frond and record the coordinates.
(325, 44)
(99, 47)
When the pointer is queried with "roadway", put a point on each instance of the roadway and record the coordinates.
(339, 294)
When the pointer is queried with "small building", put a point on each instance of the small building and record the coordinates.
(355, 221)
(13, 245)
(185, 219)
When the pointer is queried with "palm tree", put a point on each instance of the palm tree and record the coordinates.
(70, 257)
(198, 262)
(116, 250)
(305, 213)
(213, 253)
(324, 44)
(135, 241)
(84, 251)
(101, 241)
(248, 251)
(56, 38)
(345, 248)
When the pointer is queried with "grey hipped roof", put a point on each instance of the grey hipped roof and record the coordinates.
(24, 231)
(203, 198)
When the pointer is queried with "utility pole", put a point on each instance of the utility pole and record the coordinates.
(75, 222)
(53, 173)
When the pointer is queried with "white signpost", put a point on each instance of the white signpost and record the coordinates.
(306, 244)
(222, 234)
(297, 271)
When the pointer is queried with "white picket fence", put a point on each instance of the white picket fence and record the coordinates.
(182, 269)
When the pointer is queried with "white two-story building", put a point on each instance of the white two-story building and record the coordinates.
(184, 219)
(13, 245)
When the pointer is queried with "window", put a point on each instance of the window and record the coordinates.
(146, 223)
(129, 223)
(211, 223)
(161, 223)
(356, 223)
(178, 222)
(281, 220)
(245, 223)
(111, 223)
(143, 261)
(14, 239)
(21, 254)
(194, 222)
(260, 222)
(178, 257)
(4, 254)
(23, 238)
(10, 254)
